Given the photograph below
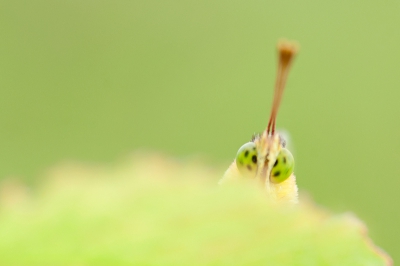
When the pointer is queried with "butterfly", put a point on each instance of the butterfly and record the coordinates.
(265, 158)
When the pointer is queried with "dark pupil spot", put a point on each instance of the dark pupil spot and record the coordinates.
(284, 160)
(249, 167)
(254, 159)
(246, 153)
(277, 173)
(276, 163)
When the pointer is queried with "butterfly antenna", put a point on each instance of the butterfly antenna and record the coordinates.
(286, 52)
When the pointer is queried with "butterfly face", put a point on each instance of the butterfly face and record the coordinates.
(282, 161)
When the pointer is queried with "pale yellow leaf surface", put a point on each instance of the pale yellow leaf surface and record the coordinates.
(154, 210)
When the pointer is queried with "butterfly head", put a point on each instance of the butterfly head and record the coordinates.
(265, 158)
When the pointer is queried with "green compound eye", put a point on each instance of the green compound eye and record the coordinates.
(246, 159)
(283, 166)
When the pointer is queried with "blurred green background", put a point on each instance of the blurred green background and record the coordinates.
(95, 80)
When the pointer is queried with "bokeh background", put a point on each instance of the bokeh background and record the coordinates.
(95, 80)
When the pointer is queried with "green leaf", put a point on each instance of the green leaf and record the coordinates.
(151, 210)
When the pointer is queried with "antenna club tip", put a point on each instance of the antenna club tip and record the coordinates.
(287, 49)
